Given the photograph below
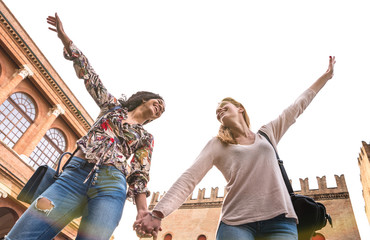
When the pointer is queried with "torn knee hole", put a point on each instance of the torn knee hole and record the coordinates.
(44, 204)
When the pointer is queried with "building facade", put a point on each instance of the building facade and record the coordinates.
(364, 164)
(197, 219)
(40, 118)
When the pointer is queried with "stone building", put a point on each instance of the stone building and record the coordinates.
(197, 219)
(39, 118)
(364, 164)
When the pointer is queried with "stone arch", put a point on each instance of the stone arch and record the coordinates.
(318, 236)
(8, 217)
(202, 237)
(168, 236)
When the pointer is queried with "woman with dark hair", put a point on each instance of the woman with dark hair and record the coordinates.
(114, 154)
(257, 204)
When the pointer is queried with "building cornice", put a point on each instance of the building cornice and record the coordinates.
(42, 70)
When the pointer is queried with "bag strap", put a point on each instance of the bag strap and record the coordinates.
(60, 160)
(285, 176)
(74, 152)
(281, 165)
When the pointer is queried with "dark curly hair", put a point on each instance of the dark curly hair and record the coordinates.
(137, 99)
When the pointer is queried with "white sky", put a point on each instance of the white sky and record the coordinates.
(194, 53)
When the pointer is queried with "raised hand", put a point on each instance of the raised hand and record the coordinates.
(57, 27)
(330, 72)
(316, 86)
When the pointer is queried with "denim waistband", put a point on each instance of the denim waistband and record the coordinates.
(82, 162)
(92, 167)
(86, 165)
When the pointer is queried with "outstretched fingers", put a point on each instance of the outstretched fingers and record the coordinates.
(330, 70)
(331, 61)
(56, 26)
(52, 21)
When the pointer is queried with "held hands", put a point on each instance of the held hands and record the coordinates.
(147, 225)
(141, 233)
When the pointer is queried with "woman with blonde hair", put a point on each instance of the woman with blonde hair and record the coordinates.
(257, 204)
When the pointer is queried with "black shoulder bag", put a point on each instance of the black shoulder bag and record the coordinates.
(41, 179)
(311, 215)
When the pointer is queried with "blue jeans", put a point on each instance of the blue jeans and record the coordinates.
(278, 228)
(99, 201)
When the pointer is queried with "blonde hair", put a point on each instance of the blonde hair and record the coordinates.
(224, 134)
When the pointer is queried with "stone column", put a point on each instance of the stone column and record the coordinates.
(4, 191)
(18, 76)
(28, 142)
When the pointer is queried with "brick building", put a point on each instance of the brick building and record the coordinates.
(39, 117)
(364, 164)
(197, 219)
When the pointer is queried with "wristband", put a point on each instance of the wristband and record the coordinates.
(154, 216)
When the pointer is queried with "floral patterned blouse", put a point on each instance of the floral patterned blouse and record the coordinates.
(111, 140)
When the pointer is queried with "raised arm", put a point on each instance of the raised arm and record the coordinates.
(82, 67)
(277, 128)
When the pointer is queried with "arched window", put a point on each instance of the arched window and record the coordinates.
(168, 237)
(16, 115)
(202, 237)
(51, 146)
(8, 217)
(318, 236)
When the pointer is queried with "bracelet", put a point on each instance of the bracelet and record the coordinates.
(154, 216)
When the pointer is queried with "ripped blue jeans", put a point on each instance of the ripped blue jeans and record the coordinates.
(99, 201)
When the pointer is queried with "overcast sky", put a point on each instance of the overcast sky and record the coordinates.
(194, 53)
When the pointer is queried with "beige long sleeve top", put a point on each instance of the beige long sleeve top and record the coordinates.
(255, 187)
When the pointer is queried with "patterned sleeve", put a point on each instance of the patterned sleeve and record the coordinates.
(138, 179)
(92, 81)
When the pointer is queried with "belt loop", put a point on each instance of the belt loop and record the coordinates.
(85, 162)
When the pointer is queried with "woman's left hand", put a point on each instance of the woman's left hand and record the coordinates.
(319, 83)
(330, 72)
